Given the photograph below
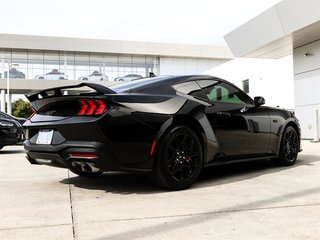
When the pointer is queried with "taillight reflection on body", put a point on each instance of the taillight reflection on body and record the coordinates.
(32, 114)
(91, 107)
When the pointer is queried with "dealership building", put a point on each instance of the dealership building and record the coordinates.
(39, 62)
(289, 27)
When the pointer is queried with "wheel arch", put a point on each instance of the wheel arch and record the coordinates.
(192, 123)
(290, 123)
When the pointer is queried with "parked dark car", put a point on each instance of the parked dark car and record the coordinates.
(168, 127)
(11, 130)
(13, 73)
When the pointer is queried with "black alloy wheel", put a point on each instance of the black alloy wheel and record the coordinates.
(289, 147)
(179, 159)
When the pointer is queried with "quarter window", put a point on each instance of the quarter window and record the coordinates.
(189, 88)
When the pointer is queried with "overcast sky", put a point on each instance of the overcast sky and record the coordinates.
(180, 21)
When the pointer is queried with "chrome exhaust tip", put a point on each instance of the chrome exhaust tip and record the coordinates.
(85, 167)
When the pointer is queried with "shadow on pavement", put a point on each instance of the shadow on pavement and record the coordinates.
(116, 182)
(219, 175)
(4, 151)
(134, 183)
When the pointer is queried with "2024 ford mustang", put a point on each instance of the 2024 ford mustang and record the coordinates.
(170, 127)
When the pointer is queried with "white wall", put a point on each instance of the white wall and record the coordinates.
(307, 85)
(185, 66)
(269, 78)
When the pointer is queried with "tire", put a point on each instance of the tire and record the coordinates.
(85, 79)
(61, 78)
(289, 148)
(179, 160)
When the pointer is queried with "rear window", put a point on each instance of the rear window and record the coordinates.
(145, 85)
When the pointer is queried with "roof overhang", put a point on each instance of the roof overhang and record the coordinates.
(28, 42)
(277, 31)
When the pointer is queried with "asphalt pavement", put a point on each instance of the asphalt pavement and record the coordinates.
(242, 201)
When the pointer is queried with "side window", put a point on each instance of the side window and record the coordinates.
(189, 88)
(223, 92)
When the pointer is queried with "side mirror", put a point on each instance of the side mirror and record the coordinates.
(258, 101)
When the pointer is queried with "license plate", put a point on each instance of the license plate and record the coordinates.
(45, 137)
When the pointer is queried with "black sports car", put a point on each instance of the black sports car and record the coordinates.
(11, 130)
(169, 126)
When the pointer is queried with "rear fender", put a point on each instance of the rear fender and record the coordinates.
(200, 125)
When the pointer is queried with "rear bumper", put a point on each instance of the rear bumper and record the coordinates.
(61, 155)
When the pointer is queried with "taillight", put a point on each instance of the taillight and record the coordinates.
(101, 107)
(91, 107)
(84, 107)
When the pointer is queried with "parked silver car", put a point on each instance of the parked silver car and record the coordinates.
(129, 77)
(53, 75)
(95, 76)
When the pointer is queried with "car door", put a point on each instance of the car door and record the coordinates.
(241, 128)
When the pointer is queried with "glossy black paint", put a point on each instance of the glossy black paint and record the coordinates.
(142, 111)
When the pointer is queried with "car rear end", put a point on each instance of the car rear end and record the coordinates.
(87, 132)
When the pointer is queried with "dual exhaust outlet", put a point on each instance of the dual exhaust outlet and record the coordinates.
(85, 166)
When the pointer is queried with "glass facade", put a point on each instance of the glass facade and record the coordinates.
(53, 65)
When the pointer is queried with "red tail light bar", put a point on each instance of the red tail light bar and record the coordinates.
(91, 107)
(83, 155)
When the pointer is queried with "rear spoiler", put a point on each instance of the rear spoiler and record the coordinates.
(57, 92)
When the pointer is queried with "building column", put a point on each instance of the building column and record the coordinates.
(2, 66)
(65, 67)
(9, 102)
(3, 100)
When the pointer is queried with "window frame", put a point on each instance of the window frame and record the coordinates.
(219, 82)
